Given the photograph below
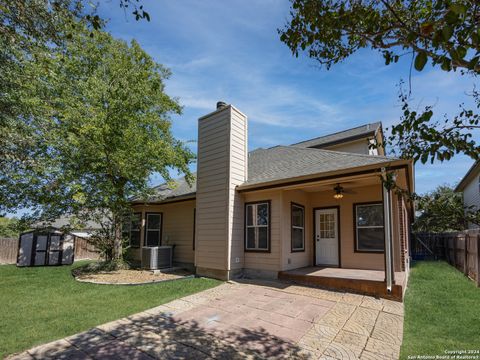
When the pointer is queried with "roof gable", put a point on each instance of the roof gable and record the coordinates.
(344, 136)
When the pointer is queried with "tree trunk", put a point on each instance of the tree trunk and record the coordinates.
(117, 242)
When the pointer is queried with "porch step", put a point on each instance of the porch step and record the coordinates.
(360, 286)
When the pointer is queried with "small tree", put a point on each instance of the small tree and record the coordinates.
(107, 130)
(442, 210)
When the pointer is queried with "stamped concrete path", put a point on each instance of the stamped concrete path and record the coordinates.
(252, 320)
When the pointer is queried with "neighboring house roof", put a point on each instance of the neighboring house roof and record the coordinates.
(64, 222)
(341, 136)
(278, 163)
(468, 176)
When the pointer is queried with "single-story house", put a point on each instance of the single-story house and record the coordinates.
(470, 188)
(316, 205)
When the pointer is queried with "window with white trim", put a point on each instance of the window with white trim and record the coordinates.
(257, 226)
(153, 229)
(131, 229)
(369, 227)
(298, 227)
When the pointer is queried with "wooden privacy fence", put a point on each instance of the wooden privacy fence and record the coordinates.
(84, 250)
(461, 250)
(9, 250)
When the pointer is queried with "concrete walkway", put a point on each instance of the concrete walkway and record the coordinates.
(253, 320)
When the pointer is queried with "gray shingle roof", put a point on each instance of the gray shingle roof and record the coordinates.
(181, 188)
(340, 136)
(278, 163)
(285, 162)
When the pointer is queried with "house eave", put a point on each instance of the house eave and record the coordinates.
(393, 164)
(188, 197)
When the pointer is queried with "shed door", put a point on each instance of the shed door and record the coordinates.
(326, 237)
(41, 249)
(54, 250)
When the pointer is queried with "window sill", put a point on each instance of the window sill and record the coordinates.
(370, 251)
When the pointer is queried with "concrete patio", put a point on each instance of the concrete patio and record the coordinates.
(245, 320)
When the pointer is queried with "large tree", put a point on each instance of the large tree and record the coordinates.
(30, 30)
(103, 130)
(445, 33)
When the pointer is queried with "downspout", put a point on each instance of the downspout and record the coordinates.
(387, 215)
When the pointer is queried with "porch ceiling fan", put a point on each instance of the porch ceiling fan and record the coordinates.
(340, 191)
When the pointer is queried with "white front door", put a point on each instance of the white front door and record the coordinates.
(326, 237)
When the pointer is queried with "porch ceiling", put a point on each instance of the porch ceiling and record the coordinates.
(347, 183)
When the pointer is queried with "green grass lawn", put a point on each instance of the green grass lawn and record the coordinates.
(442, 311)
(41, 304)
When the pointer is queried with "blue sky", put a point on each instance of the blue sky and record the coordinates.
(230, 51)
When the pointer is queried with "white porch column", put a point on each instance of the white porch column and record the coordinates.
(387, 216)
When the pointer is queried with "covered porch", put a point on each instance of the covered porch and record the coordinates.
(366, 282)
(345, 232)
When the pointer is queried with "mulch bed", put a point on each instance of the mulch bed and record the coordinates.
(130, 277)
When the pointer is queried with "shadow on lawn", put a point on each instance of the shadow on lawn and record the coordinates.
(148, 335)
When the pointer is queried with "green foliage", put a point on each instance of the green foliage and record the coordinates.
(9, 227)
(445, 33)
(101, 128)
(421, 137)
(442, 210)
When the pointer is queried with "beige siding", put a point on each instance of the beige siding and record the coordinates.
(212, 178)
(177, 228)
(268, 261)
(357, 146)
(222, 155)
(471, 195)
(238, 175)
(293, 260)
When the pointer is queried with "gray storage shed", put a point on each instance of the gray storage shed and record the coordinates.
(45, 247)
